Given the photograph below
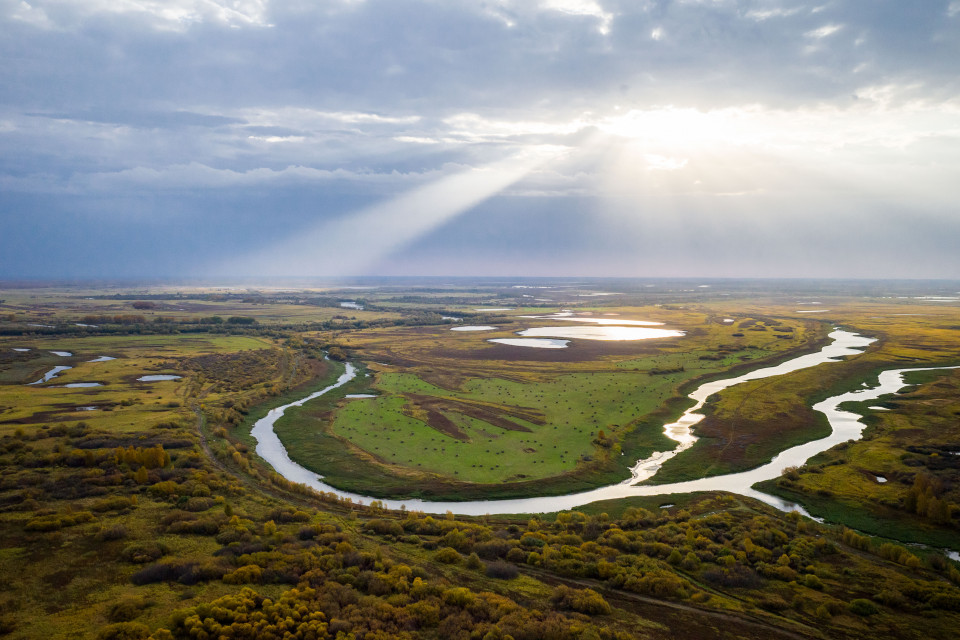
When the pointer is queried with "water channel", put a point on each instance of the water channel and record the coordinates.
(845, 426)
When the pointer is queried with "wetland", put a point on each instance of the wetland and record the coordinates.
(460, 469)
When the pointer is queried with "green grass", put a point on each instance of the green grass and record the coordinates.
(334, 369)
(179, 344)
(871, 519)
(391, 432)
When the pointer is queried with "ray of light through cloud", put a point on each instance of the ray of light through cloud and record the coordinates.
(353, 243)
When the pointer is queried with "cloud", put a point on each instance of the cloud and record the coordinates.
(143, 105)
(159, 14)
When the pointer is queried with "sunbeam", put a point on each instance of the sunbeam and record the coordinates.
(352, 243)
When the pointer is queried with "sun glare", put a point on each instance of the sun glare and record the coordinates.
(681, 127)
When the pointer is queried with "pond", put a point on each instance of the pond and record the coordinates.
(600, 332)
(536, 343)
(49, 375)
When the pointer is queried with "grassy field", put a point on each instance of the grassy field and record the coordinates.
(130, 522)
(453, 409)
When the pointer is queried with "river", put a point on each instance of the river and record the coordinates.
(844, 425)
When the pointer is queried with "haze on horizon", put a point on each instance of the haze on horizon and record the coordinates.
(707, 138)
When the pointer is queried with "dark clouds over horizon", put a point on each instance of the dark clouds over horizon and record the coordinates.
(696, 137)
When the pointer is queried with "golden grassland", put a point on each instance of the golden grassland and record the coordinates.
(151, 516)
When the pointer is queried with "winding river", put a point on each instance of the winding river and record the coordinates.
(845, 426)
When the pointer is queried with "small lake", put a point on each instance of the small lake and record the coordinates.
(473, 327)
(600, 332)
(536, 343)
(82, 385)
(350, 304)
(21, 350)
(158, 378)
(568, 315)
(102, 359)
(62, 354)
(49, 375)
(354, 396)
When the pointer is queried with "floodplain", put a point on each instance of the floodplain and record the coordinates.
(138, 508)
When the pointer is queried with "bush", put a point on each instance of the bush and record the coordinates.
(774, 602)
(384, 527)
(183, 572)
(161, 572)
(125, 610)
(114, 503)
(142, 552)
(124, 631)
(447, 555)
(863, 607)
(195, 505)
(946, 601)
(501, 570)
(813, 582)
(113, 532)
(249, 574)
(582, 600)
(58, 521)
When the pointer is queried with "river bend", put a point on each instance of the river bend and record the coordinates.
(844, 426)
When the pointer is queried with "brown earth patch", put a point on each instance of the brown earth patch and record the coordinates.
(576, 351)
(727, 439)
(430, 409)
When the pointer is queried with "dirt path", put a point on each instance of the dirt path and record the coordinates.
(677, 615)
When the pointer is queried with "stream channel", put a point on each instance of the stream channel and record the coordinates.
(844, 426)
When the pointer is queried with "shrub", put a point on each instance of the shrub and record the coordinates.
(57, 521)
(501, 570)
(813, 582)
(459, 597)
(196, 505)
(947, 601)
(124, 631)
(474, 562)
(863, 607)
(202, 527)
(774, 602)
(125, 610)
(113, 503)
(142, 552)
(161, 572)
(582, 600)
(249, 574)
(113, 532)
(384, 527)
(447, 555)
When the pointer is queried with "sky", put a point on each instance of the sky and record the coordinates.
(645, 138)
